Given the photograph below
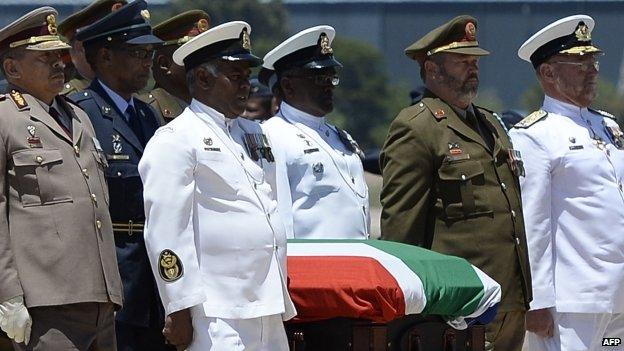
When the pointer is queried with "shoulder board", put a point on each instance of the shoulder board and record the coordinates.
(415, 109)
(18, 99)
(531, 119)
(3, 97)
(603, 113)
(79, 96)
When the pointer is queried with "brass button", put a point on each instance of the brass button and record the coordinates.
(503, 186)
(463, 177)
(39, 159)
(119, 174)
(76, 149)
(86, 174)
(513, 213)
(94, 198)
(98, 224)
(352, 180)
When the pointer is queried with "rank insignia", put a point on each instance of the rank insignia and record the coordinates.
(318, 168)
(515, 162)
(439, 114)
(170, 266)
(531, 119)
(18, 99)
(454, 149)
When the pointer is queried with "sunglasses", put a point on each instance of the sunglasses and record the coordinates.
(322, 80)
(582, 66)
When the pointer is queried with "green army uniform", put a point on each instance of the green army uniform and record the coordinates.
(76, 84)
(167, 105)
(450, 184)
(174, 31)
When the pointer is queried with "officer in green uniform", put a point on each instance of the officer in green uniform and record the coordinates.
(450, 176)
(170, 95)
(93, 12)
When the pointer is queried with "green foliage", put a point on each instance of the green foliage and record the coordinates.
(608, 98)
(365, 102)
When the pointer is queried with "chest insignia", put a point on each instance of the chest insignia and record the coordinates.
(117, 147)
(258, 147)
(318, 168)
(33, 140)
(572, 140)
(170, 266)
(208, 141)
(515, 162)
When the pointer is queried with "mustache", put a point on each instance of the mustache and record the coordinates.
(56, 72)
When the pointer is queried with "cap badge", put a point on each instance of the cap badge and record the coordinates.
(202, 25)
(116, 6)
(325, 48)
(246, 40)
(145, 14)
(582, 32)
(170, 266)
(471, 31)
(51, 19)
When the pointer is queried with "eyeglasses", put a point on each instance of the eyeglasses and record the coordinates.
(138, 53)
(322, 80)
(582, 66)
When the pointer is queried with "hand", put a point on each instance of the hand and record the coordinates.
(540, 322)
(15, 320)
(178, 330)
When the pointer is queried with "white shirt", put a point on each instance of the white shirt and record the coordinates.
(320, 182)
(573, 210)
(214, 207)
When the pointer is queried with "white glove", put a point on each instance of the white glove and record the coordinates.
(15, 320)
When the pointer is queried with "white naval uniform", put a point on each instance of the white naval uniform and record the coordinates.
(320, 182)
(574, 217)
(214, 207)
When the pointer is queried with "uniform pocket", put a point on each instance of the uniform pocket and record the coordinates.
(40, 176)
(461, 189)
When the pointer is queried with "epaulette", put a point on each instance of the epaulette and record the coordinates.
(3, 97)
(18, 99)
(531, 119)
(603, 113)
(79, 96)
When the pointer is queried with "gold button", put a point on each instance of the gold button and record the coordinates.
(86, 174)
(39, 159)
(513, 213)
(76, 149)
(93, 197)
(119, 174)
(503, 186)
(98, 224)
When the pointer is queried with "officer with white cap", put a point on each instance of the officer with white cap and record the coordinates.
(321, 186)
(572, 195)
(215, 240)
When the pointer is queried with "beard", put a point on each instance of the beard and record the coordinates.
(466, 89)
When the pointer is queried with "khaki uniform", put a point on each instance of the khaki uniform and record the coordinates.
(56, 238)
(167, 105)
(443, 189)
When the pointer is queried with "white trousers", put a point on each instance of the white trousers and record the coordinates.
(580, 332)
(219, 334)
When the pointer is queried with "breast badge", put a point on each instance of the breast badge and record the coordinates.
(117, 149)
(33, 140)
(170, 266)
(318, 168)
(208, 142)
(258, 147)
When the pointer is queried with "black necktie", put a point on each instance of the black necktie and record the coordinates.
(479, 125)
(59, 119)
(135, 124)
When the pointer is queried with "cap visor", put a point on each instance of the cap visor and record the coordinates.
(49, 46)
(254, 60)
(318, 64)
(475, 51)
(145, 39)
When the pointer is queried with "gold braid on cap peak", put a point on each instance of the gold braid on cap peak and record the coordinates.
(453, 45)
(34, 40)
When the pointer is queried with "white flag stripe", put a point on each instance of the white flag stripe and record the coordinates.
(409, 282)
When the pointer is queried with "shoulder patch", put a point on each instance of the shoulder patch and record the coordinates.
(170, 266)
(603, 113)
(531, 119)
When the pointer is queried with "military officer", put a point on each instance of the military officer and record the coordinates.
(60, 282)
(215, 238)
(120, 47)
(170, 95)
(321, 186)
(68, 27)
(450, 176)
(572, 195)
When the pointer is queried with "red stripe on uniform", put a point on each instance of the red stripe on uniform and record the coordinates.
(345, 286)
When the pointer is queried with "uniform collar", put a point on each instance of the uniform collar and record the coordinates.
(553, 105)
(296, 115)
(206, 112)
(120, 102)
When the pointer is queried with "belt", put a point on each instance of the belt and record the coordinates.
(128, 228)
